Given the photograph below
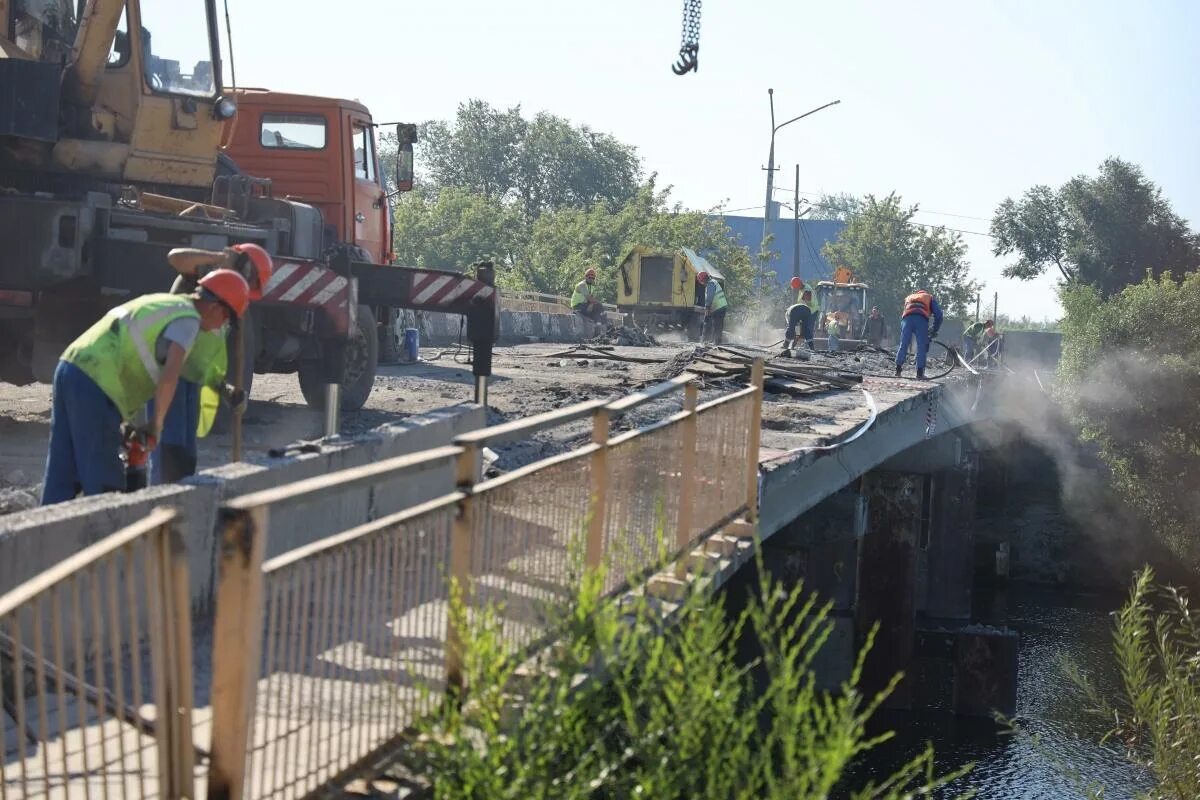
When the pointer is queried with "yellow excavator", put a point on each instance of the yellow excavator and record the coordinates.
(845, 300)
(117, 140)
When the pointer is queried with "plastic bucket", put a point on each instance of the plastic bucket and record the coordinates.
(412, 344)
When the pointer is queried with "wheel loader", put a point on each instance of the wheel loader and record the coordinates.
(118, 142)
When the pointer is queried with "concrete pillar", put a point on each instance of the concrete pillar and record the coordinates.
(887, 578)
(820, 549)
(951, 545)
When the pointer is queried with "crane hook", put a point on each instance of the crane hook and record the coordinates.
(689, 60)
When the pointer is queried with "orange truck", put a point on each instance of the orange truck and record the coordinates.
(116, 147)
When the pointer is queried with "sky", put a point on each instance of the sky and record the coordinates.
(953, 105)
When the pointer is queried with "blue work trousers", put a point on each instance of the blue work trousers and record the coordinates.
(175, 456)
(85, 439)
(799, 320)
(913, 326)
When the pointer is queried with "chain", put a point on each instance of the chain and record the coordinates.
(689, 46)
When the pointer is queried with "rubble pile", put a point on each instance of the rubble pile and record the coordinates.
(625, 337)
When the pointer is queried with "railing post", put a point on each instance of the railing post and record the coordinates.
(687, 476)
(237, 640)
(594, 553)
(756, 378)
(176, 714)
(466, 474)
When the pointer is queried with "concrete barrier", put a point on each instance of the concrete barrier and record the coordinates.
(515, 327)
(35, 540)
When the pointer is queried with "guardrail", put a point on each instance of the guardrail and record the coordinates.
(324, 655)
(83, 646)
(544, 303)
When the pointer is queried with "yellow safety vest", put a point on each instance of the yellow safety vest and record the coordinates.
(583, 292)
(719, 300)
(117, 352)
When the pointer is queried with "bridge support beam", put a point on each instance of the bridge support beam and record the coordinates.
(887, 578)
(950, 549)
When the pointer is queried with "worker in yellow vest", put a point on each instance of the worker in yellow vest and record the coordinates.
(194, 406)
(136, 352)
(715, 306)
(586, 304)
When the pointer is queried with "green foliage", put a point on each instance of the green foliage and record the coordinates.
(1105, 231)
(667, 713)
(542, 164)
(1130, 377)
(1024, 323)
(895, 257)
(839, 207)
(1157, 716)
(454, 228)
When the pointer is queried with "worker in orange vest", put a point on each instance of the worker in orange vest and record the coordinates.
(920, 319)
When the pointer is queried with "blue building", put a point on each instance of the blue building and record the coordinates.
(747, 231)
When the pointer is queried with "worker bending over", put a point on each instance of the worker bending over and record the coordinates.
(970, 339)
(799, 327)
(919, 308)
(585, 303)
(137, 351)
(715, 306)
(194, 406)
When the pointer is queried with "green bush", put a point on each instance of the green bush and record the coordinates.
(669, 711)
(1130, 378)
(1157, 716)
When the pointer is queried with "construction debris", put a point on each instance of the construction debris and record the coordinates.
(624, 337)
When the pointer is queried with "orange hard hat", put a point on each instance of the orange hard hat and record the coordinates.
(589, 273)
(797, 283)
(229, 288)
(702, 277)
(260, 261)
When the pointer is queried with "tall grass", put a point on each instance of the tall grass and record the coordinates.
(1156, 716)
(667, 709)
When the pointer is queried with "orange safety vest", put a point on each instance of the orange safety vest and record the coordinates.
(918, 303)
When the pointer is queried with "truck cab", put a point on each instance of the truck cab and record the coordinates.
(323, 152)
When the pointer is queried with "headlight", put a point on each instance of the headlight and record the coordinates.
(224, 108)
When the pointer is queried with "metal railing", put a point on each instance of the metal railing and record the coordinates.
(323, 656)
(84, 647)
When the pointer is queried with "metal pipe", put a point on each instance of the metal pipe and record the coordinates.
(333, 402)
(481, 387)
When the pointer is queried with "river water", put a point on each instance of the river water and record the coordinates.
(1057, 754)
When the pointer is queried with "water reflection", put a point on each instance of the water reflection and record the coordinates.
(1061, 756)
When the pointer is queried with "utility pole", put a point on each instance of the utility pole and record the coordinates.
(762, 264)
(978, 295)
(796, 228)
(995, 307)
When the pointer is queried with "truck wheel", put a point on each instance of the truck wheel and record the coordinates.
(223, 422)
(362, 359)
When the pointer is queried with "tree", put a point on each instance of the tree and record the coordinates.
(836, 207)
(882, 247)
(454, 228)
(541, 165)
(1130, 378)
(1107, 231)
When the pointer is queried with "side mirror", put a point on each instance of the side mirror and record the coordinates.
(406, 136)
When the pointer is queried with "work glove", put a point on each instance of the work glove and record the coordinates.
(145, 436)
(236, 398)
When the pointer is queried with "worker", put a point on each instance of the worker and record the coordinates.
(833, 333)
(993, 344)
(971, 339)
(874, 328)
(137, 351)
(585, 303)
(799, 326)
(715, 306)
(176, 455)
(920, 319)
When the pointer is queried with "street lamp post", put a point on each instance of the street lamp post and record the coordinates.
(762, 263)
